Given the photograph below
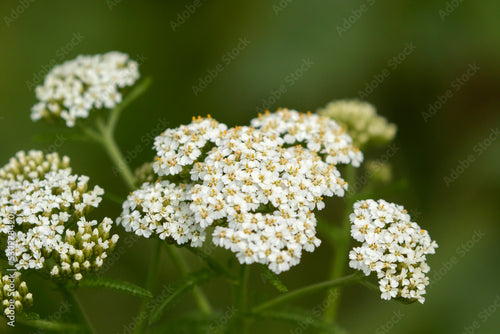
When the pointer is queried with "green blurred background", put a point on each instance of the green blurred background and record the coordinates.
(402, 56)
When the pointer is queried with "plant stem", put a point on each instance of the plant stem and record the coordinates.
(138, 90)
(242, 300)
(153, 268)
(108, 142)
(349, 279)
(341, 248)
(105, 135)
(77, 309)
(199, 296)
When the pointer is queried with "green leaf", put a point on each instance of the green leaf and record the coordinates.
(283, 298)
(214, 264)
(192, 323)
(56, 326)
(272, 278)
(111, 284)
(302, 318)
(186, 284)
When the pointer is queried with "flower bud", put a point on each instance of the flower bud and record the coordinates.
(28, 300)
(18, 305)
(55, 272)
(16, 278)
(23, 289)
(76, 267)
(65, 269)
(16, 295)
(79, 256)
(70, 237)
(86, 265)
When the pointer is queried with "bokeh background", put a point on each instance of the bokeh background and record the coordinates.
(431, 67)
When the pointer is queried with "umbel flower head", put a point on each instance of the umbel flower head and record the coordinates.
(32, 165)
(72, 90)
(363, 123)
(257, 185)
(394, 247)
(41, 204)
(14, 294)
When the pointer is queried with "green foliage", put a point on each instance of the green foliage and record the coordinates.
(116, 285)
(184, 285)
(306, 321)
(273, 279)
(55, 326)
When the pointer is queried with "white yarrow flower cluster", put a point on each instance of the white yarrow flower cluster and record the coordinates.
(75, 88)
(257, 185)
(393, 246)
(162, 208)
(182, 146)
(363, 123)
(319, 134)
(37, 208)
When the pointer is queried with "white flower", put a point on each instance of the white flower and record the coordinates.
(181, 146)
(318, 133)
(257, 185)
(161, 208)
(393, 247)
(39, 197)
(77, 87)
(389, 288)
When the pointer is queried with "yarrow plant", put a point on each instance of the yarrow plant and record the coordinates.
(257, 185)
(394, 247)
(40, 199)
(88, 83)
(256, 190)
(361, 120)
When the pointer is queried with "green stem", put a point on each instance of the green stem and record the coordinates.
(108, 142)
(153, 269)
(341, 248)
(371, 286)
(105, 133)
(243, 289)
(349, 279)
(199, 296)
(113, 198)
(242, 300)
(138, 90)
(77, 309)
